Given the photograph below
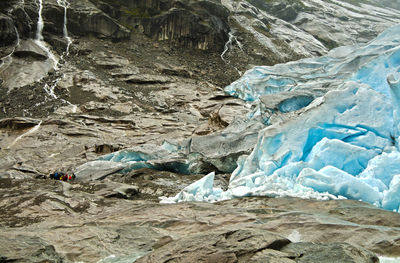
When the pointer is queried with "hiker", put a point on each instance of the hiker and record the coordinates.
(62, 176)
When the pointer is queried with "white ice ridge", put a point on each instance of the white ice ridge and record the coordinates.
(343, 144)
(339, 65)
(389, 260)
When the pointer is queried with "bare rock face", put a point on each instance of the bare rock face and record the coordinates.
(190, 24)
(285, 10)
(84, 19)
(85, 22)
(35, 250)
(120, 219)
(8, 33)
(281, 30)
(303, 252)
(254, 246)
(237, 245)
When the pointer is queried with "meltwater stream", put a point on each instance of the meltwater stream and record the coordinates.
(232, 40)
(49, 88)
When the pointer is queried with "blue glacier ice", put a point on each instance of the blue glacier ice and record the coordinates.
(341, 143)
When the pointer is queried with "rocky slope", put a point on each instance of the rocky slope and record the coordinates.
(101, 76)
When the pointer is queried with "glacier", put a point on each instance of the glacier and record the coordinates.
(324, 128)
(342, 141)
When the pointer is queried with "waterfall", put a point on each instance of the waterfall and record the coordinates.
(232, 39)
(41, 43)
(40, 25)
(65, 5)
(39, 37)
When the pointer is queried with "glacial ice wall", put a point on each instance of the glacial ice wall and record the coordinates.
(369, 64)
(343, 144)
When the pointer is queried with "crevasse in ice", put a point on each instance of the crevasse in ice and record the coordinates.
(343, 144)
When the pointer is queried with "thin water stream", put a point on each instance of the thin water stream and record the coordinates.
(229, 45)
(65, 4)
(30, 131)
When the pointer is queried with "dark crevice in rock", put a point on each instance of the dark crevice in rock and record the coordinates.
(278, 244)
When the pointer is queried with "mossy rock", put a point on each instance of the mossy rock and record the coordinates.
(136, 12)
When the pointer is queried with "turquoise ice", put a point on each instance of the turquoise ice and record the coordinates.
(344, 143)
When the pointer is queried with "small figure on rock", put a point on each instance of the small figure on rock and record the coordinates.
(62, 176)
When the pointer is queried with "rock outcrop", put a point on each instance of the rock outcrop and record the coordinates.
(8, 31)
(190, 24)
(43, 219)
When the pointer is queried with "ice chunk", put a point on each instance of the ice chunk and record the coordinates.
(394, 83)
(391, 200)
(383, 167)
(369, 64)
(375, 72)
(258, 81)
(335, 181)
(294, 236)
(325, 150)
(347, 157)
(389, 260)
(285, 101)
(201, 190)
(125, 156)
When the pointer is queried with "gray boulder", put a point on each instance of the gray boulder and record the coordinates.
(97, 170)
(29, 48)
